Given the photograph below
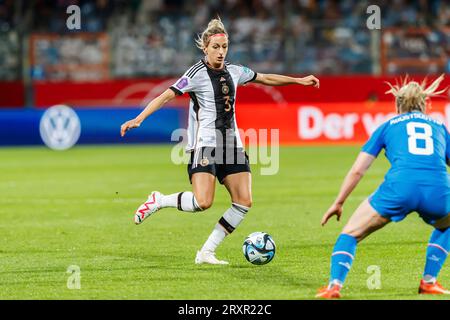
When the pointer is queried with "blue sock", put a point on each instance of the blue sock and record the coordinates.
(342, 258)
(437, 251)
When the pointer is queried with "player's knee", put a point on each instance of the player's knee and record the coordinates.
(204, 203)
(246, 202)
(357, 234)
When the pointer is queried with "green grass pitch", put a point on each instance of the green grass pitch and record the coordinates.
(76, 207)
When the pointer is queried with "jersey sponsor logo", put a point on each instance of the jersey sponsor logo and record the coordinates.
(182, 83)
(60, 127)
(222, 79)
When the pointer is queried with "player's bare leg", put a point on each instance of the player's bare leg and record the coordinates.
(200, 198)
(203, 186)
(363, 222)
(437, 252)
(239, 187)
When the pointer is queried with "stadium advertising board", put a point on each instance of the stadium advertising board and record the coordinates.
(60, 130)
(297, 123)
(328, 123)
(137, 92)
(12, 94)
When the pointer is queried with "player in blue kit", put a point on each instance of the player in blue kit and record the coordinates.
(418, 148)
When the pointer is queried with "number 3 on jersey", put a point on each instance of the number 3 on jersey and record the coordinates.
(419, 131)
(227, 103)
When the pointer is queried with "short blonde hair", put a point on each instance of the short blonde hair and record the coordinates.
(215, 26)
(411, 96)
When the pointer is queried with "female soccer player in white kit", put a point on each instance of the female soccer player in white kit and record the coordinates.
(213, 137)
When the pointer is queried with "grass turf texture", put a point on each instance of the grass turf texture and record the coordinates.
(76, 208)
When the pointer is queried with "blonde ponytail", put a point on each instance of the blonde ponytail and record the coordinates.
(215, 26)
(411, 96)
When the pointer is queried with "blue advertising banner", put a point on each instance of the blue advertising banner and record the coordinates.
(96, 126)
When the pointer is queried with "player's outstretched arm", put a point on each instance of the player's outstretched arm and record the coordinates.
(154, 105)
(359, 168)
(280, 80)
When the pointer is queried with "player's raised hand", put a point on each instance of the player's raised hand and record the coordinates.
(130, 124)
(310, 81)
(334, 210)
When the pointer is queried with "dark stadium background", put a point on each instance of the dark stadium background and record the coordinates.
(127, 52)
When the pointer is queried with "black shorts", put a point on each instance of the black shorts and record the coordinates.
(220, 162)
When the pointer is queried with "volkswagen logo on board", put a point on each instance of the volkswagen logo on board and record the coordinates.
(60, 127)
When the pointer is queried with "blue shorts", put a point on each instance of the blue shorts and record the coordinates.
(395, 200)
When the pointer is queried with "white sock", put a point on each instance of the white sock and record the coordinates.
(429, 279)
(233, 217)
(184, 201)
(169, 201)
(215, 238)
(226, 225)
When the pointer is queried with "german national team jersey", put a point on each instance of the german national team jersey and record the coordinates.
(212, 118)
(416, 145)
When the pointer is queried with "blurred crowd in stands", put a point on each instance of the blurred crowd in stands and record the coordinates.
(156, 37)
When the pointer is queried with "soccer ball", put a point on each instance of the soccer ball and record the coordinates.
(259, 248)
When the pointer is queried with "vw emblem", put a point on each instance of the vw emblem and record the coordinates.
(60, 127)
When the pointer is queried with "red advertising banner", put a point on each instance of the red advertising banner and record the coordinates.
(137, 92)
(12, 94)
(324, 123)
